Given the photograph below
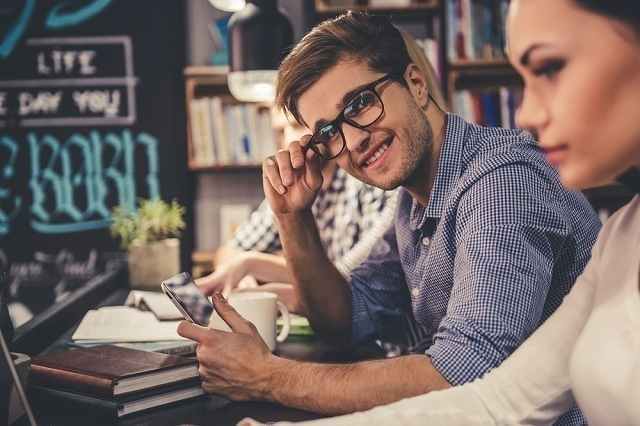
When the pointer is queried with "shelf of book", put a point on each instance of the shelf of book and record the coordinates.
(222, 133)
(326, 8)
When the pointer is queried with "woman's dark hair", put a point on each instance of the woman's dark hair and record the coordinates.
(626, 11)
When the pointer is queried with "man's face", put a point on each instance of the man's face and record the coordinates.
(386, 154)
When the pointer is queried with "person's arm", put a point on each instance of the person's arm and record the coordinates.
(322, 289)
(512, 242)
(291, 181)
(360, 386)
(240, 366)
(532, 386)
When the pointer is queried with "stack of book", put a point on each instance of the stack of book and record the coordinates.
(111, 381)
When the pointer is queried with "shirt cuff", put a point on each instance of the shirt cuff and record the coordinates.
(459, 362)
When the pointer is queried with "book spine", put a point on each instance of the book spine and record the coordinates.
(64, 379)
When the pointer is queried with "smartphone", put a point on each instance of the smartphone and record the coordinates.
(187, 297)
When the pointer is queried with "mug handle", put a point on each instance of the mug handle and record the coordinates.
(286, 322)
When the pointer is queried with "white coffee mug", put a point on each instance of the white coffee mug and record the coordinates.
(261, 308)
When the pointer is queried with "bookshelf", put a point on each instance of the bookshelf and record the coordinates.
(224, 135)
(477, 79)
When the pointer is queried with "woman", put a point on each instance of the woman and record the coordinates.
(580, 60)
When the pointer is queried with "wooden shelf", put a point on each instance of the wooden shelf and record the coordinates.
(217, 168)
(206, 71)
(429, 6)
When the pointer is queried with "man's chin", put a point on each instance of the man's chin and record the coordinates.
(382, 182)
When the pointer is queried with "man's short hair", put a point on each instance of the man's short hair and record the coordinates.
(353, 36)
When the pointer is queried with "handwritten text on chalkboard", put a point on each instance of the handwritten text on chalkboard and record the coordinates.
(74, 178)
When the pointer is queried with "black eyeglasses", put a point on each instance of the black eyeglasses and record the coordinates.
(361, 111)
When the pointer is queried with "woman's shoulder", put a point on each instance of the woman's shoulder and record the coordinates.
(622, 228)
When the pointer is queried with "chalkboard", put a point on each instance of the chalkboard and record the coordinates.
(91, 116)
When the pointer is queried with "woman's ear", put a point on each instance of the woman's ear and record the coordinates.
(417, 85)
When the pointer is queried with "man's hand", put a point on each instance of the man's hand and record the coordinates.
(235, 364)
(292, 178)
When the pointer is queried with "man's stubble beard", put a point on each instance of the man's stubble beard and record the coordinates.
(416, 158)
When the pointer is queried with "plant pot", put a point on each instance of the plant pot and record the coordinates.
(152, 263)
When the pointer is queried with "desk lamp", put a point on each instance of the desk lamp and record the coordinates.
(228, 5)
(259, 37)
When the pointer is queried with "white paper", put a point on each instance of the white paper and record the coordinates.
(125, 324)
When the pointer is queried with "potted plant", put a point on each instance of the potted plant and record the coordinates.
(150, 236)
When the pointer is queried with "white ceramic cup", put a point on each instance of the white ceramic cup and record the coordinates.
(261, 308)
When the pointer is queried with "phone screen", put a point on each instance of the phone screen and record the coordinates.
(188, 298)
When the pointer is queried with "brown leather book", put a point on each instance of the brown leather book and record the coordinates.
(110, 371)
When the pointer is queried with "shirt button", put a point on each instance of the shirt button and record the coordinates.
(426, 241)
(415, 292)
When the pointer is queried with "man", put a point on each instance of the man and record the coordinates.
(485, 245)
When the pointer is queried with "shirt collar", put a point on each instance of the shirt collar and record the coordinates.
(449, 170)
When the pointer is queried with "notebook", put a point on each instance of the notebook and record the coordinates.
(110, 371)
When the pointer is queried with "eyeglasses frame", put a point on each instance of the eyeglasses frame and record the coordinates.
(341, 119)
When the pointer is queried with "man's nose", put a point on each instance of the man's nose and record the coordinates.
(355, 137)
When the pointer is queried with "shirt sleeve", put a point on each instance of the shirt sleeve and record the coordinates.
(259, 232)
(378, 213)
(507, 245)
(379, 297)
(531, 387)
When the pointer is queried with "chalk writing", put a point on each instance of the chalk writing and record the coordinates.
(72, 81)
(60, 18)
(75, 182)
(40, 103)
(9, 202)
(103, 102)
(57, 62)
(64, 14)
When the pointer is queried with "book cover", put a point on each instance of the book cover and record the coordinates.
(109, 370)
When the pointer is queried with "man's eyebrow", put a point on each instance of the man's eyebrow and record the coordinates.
(340, 105)
(526, 56)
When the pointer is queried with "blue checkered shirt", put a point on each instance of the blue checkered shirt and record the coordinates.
(469, 276)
